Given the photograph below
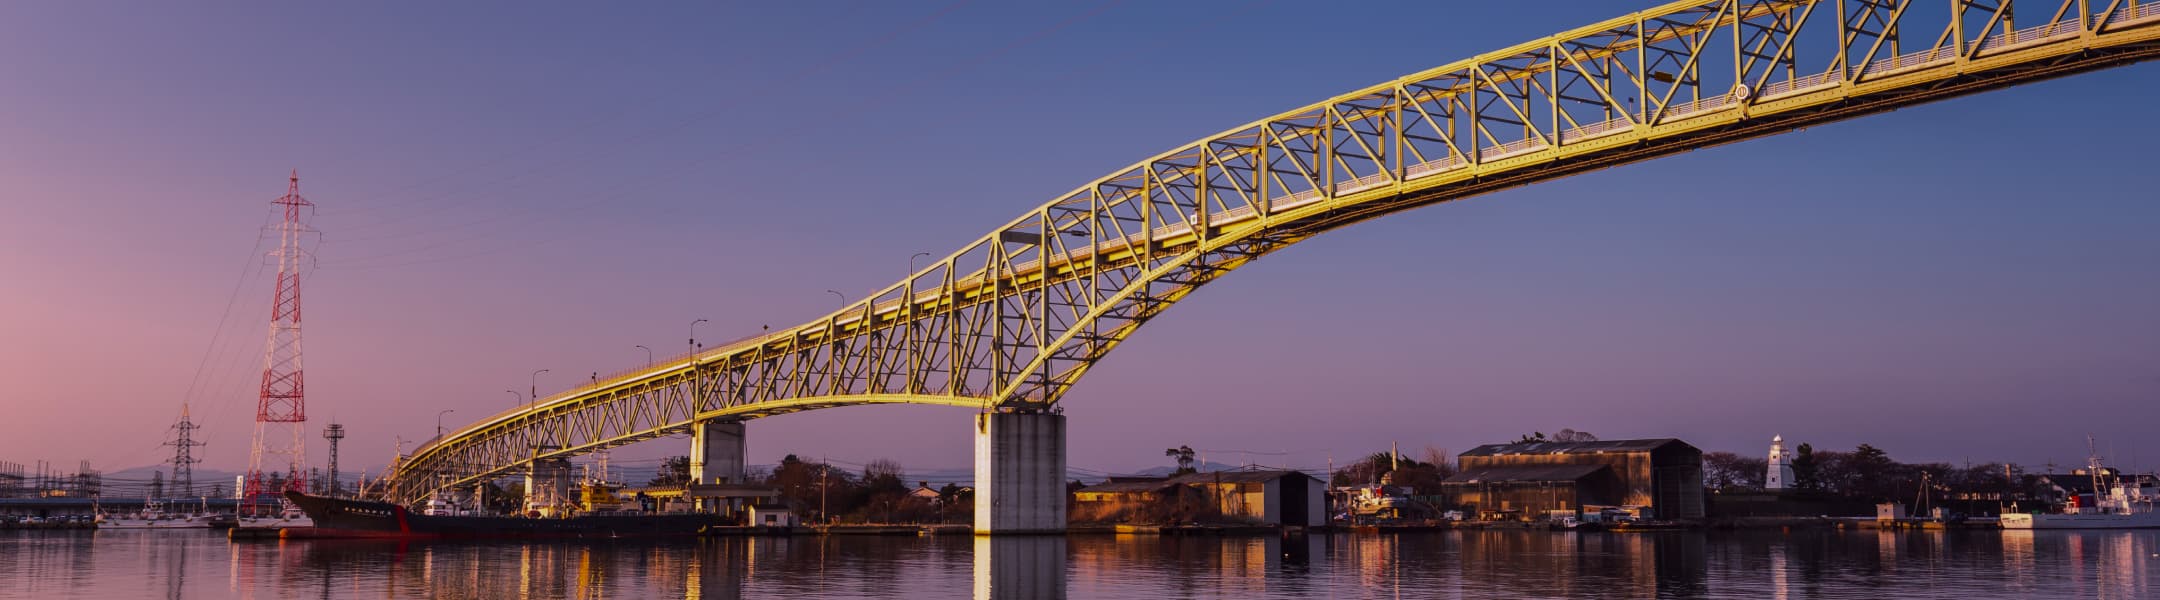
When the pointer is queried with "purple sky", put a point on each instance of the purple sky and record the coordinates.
(512, 187)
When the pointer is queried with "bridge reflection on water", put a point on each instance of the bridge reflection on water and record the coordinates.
(1935, 564)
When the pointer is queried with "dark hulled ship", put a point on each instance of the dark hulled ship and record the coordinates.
(337, 517)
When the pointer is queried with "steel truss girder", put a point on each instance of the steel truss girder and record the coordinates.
(1012, 320)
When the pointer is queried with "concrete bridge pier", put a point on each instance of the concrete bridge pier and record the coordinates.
(716, 452)
(1019, 473)
(547, 486)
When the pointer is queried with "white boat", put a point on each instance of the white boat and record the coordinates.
(2086, 520)
(154, 516)
(289, 515)
(161, 522)
(2117, 503)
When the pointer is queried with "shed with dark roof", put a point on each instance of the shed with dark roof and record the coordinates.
(1663, 474)
(1499, 492)
(1274, 497)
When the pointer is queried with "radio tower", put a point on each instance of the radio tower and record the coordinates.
(281, 408)
(183, 458)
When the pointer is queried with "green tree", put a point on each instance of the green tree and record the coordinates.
(1873, 473)
(1805, 470)
(674, 471)
(1725, 470)
(1422, 477)
(1184, 456)
(813, 487)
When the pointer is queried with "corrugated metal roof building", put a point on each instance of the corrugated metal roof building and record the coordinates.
(1267, 496)
(1531, 478)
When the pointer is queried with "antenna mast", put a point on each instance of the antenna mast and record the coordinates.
(281, 407)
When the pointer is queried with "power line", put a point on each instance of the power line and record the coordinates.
(230, 298)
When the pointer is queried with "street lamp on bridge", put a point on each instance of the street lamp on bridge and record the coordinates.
(438, 421)
(534, 395)
(693, 339)
(648, 356)
(520, 395)
(837, 294)
(911, 266)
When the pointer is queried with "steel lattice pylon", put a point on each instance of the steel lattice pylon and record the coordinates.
(1012, 320)
(183, 460)
(281, 406)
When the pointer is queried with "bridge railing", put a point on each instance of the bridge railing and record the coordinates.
(1801, 85)
(1597, 130)
(2030, 36)
(2138, 13)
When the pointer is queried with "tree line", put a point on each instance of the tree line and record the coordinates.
(1865, 472)
(879, 493)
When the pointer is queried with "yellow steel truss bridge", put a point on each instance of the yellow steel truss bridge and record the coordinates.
(1013, 319)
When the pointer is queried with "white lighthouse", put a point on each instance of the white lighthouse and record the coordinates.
(1780, 474)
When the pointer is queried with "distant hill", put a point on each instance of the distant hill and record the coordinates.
(1166, 471)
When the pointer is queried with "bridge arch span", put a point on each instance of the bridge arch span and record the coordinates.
(1012, 320)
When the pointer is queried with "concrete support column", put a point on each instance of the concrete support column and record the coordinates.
(547, 487)
(1019, 473)
(717, 449)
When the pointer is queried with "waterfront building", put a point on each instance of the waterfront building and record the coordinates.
(1271, 497)
(772, 515)
(1780, 475)
(1662, 477)
(1510, 493)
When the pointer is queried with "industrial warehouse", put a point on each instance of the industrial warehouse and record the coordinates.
(1649, 479)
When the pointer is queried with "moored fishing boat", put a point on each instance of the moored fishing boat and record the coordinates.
(2115, 502)
(339, 517)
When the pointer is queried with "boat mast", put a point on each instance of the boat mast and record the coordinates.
(2092, 470)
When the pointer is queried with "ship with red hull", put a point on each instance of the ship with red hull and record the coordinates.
(339, 517)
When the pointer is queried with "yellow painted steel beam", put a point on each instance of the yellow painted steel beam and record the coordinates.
(1011, 320)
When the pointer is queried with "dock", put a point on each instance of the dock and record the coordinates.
(254, 533)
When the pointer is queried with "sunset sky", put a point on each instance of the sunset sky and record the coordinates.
(510, 187)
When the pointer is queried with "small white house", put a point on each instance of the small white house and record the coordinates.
(765, 515)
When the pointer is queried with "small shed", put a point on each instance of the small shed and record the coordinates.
(773, 515)
(1274, 497)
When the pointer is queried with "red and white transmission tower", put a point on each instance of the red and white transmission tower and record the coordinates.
(281, 408)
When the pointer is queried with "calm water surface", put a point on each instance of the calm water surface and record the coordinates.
(1511, 564)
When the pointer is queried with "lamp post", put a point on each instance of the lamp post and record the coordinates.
(693, 338)
(520, 395)
(837, 294)
(438, 421)
(648, 356)
(534, 394)
(911, 264)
